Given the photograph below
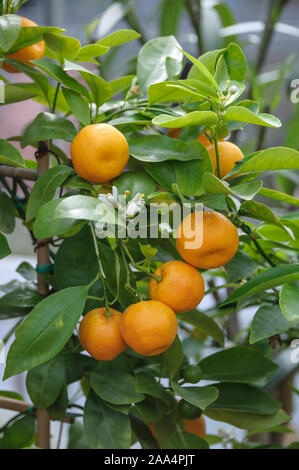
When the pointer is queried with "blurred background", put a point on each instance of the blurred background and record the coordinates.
(267, 30)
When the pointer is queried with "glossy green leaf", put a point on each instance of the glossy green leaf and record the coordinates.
(27, 271)
(288, 301)
(62, 47)
(268, 321)
(238, 113)
(228, 366)
(151, 63)
(135, 182)
(214, 185)
(9, 155)
(257, 210)
(7, 211)
(31, 35)
(181, 90)
(117, 388)
(4, 247)
(250, 421)
(87, 53)
(186, 440)
(203, 323)
(245, 398)
(20, 434)
(45, 188)
(236, 62)
(170, 13)
(173, 357)
(203, 70)
(119, 37)
(23, 296)
(201, 397)
(45, 381)
(240, 267)
(45, 330)
(275, 158)
(10, 26)
(35, 75)
(278, 196)
(195, 118)
(45, 226)
(104, 427)
(78, 105)
(158, 148)
(47, 126)
(121, 84)
(146, 383)
(268, 279)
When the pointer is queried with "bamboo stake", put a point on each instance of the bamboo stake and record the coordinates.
(21, 407)
(43, 258)
(23, 173)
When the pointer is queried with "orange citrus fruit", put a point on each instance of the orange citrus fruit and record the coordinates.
(229, 155)
(99, 153)
(217, 245)
(33, 52)
(195, 426)
(181, 287)
(100, 335)
(149, 327)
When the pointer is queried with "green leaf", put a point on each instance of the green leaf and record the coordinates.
(27, 271)
(78, 105)
(45, 226)
(20, 434)
(104, 427)
(158, 148)
(135, 182)
(288, 301)
(119, 37)
(186, 440)
(62, 47)
(245, 398)
(31, 35)
(23, 296)
(173, 357)
(117, 388)
(170, 13)
(87, 53)
(142, 433)
(16, 92)
(268, 321)
(4, 247)
(47, 126)
(61, 76)
(278, 196)
(151, 62)
(268, 279)
(257, 210)
(82, 208)
(9, 155)
(195, 118)
(146, 383)
(7, 211)
(76, 182)
(45, 382)
(240, 114)
(275, 158)
(121, 84)
(238, 364)
(201, 397)
(240, 267)
(247, 191)
(203, 323)
(180, 90)
(58, 409)
(236, 62)
(10, 26)
(45, 188)
(250, 421)
(45, 330)
(204, 72)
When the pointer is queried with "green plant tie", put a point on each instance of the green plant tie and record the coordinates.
(31, 410)
(46, 268)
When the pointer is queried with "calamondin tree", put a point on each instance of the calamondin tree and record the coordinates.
(152, 209)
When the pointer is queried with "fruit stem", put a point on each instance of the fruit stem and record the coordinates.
(139, 268)
(101, 273)
(217, 154)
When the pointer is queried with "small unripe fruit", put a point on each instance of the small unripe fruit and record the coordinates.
(188, 411)
(192, 374)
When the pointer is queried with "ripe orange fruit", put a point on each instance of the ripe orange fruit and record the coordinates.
(149, 327)
(219, 243)
(99, 153)
(229, 155)
(35, 51)
(181, 287)
(101, 336)
(196, 426)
